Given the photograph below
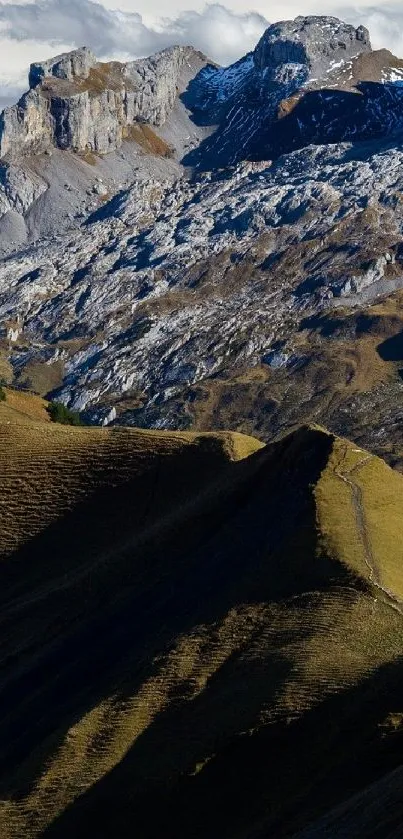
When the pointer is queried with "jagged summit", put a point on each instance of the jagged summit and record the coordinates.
(307, 82)
(247, 102)
(78, 103)
(308, 47)
(68, 65)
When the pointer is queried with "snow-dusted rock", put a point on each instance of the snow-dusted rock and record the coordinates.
(185, 275)
(307, 46)
(170, 283)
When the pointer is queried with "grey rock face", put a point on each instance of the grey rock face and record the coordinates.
(26, 127)
(77, 103)
(66, 66)
(84, 122)
(156, 298)
(20, 188)
(311, 43)
(155, 81)
(224, 268)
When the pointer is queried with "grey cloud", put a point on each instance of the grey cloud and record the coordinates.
(384, 21)
(223, 34)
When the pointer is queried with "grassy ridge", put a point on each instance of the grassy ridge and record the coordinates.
(193, 642)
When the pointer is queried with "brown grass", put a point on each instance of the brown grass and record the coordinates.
(147, 139)
(6, 370)
(22, 408)
(187, 630)
(105, 76)
(42, 377)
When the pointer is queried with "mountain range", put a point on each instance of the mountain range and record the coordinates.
(202, 627)
(181, 240)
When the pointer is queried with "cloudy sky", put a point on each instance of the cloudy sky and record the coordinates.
(31, 30)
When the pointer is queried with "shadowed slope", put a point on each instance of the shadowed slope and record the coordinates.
(186, 634)
(375, 812)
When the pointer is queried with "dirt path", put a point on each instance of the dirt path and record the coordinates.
(363, 532)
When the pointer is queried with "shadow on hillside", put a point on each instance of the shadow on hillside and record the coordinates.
(194, 100)
(269, 783)
(392, 348)
(328, 116)
(96, 598)
(366, 117)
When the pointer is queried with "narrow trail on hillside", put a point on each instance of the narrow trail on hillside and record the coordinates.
(362, 528)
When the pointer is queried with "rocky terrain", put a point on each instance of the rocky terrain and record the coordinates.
(201, 633)
(115, 123)
(231, 284)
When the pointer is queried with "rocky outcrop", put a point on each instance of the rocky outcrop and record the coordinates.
(186, 297)
(308, 47)
(155, 82)
(69, 65)
(78, 103)
(26, 127)
(83, 121)
(172, 284)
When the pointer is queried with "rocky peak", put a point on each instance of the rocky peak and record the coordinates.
(293, 61)
(78, 103)
(69, 65)
(308, 46)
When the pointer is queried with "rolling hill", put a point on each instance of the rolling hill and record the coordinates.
(200, 635)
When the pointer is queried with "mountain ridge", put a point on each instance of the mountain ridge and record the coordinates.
(201, 632)
(218, 579)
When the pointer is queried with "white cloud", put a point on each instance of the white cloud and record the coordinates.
(31, 30)
(384, 21)
(222, 33)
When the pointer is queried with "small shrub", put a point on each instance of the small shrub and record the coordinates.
(59, 413)
(2, 395)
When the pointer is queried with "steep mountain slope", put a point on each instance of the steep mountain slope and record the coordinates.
(140, 316)
(312, 80)
(377, 811)
(200, 636)
(78, 103)
(107, 119)
(190, 299)
(306, 81)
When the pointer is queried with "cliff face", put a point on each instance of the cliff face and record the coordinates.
(69, 65)
(78, 103)
(26, 126)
